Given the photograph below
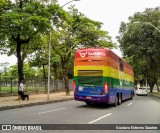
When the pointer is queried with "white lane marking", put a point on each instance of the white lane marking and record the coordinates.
(51, 111)
(129, 104)
(99, 118)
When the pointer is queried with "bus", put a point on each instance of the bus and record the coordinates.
(100, 76)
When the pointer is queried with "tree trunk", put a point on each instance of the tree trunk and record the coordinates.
(156, 81)
(151, 84)
(19, 61)
(154, 65)
(66, 80)
(65, 76)
(157, 85)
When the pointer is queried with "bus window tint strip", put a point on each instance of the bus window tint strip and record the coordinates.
(93, 77)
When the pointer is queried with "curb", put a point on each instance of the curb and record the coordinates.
(33, 104)
(44, 102)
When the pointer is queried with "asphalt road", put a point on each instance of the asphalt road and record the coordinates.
(140, 110)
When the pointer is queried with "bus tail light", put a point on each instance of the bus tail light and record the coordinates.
(106, 87)
(74, 85)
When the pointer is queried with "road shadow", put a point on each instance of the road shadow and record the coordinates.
(102, 105)
(96, 106)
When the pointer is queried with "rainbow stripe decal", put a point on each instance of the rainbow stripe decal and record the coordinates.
(97, 66)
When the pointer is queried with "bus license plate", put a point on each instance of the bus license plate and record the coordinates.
(80, 88)
(88, 97)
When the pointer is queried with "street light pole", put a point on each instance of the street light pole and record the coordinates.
(0, 80)
(49, 47)
(149, 23)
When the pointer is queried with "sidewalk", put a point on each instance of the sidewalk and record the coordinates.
(11, 102)
(155, 94)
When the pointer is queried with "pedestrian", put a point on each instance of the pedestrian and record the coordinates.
(21, 92)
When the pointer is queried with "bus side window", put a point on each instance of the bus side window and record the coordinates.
(121, 64)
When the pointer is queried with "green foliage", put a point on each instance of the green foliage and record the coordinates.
(24, 32)
(75, 31)
(139, 40)
(68, 34)
(20, 22)
(29, 71)
(88, 32)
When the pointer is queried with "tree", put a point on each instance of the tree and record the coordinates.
(3, 67)
(24, 24)
(20, 22)
(140, 44)
(88, 32)
(74, 31)
(12, 72)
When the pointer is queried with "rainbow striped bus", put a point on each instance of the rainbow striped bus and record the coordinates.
(100, 76)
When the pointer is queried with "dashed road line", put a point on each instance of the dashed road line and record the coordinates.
(100, 118)
(51, 111)
(129, 104)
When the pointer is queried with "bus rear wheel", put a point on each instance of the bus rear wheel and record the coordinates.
(132, 95)
(116, 101)
(119, 99)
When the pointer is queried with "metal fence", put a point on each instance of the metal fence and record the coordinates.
(10, 85)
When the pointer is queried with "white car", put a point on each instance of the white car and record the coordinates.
(141, 91)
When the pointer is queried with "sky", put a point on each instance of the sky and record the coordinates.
(110, 12)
